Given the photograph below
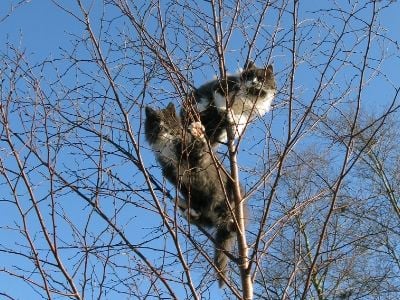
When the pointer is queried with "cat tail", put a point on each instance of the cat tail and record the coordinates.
(224, 241)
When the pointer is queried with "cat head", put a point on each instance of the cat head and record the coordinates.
(260, 79)
(161, 124)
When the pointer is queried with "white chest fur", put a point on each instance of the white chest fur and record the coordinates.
(245, 107)
(164, 148)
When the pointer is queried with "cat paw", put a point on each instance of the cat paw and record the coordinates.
(191, 214)
(181, 204)
(197, 130)
(194, 214)
(188, 213)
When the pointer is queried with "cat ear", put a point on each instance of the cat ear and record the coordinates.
(149, 111)
(171, 107)
(249, 65)
(270, 68)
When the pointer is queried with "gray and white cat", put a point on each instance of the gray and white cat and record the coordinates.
(249, 94)
(187, 163)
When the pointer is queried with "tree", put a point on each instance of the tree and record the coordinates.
(87, 211)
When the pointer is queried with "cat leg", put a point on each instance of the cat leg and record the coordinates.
(188, 212)
(198, 146)
(193, 214)
(197, 130)
(181, 203)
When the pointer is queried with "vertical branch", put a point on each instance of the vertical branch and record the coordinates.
(128, 129)
(315, 281)
(345, 168)
(39, 214)
(377, 166)
(247, 284)
(84, 205)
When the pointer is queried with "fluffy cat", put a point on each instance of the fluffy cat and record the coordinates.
(187, 163)
(249, 94)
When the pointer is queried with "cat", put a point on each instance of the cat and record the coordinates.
(249, 94)
(187, 163)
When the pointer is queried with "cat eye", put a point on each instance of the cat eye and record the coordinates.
(249, 76)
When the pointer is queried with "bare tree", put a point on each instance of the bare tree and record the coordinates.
(88, 213)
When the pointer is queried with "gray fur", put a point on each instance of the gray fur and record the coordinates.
(249, 94)
(187, 163)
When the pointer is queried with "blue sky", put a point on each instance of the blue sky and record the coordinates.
(37, 26)
(44, 31)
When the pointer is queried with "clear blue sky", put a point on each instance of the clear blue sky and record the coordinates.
(43, 30)
(37, 26)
